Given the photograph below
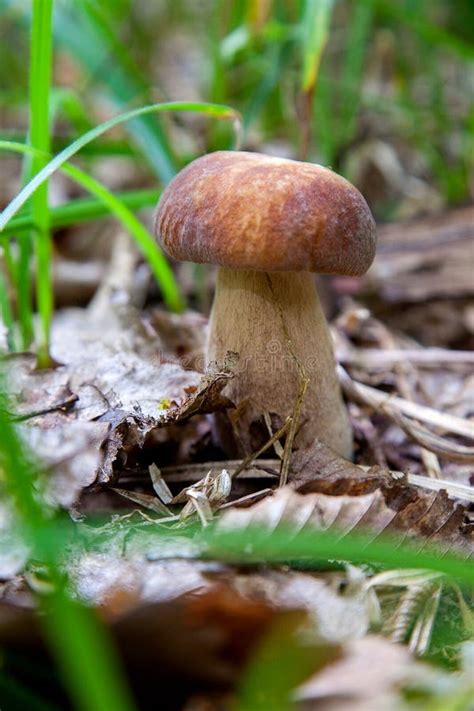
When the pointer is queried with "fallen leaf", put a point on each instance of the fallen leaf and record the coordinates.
(70, 454)
(430, 518)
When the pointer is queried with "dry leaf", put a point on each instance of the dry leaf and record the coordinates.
(71, 455)
(368, 677)
(431, 518)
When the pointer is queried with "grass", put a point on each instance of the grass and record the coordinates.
(214, 110)
(87, 33)
(41, 50)
(80, 210)
(145, 241)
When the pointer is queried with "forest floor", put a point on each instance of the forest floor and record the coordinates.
(122, 428)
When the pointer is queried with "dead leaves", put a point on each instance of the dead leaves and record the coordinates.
(433, 519)
(71, 455)
(113, 390)
(224, 637)
(205, 398)
(333, 494)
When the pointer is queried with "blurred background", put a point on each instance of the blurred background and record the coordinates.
(380, 90)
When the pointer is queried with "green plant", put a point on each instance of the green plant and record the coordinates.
(144, 240)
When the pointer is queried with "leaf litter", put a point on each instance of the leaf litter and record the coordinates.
(124, 420)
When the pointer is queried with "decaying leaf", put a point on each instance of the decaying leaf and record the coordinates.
(203, 398)
(71, 456)
(335, 616)
(431, 518)
(44, 395)
(110, 384)
(319, 463)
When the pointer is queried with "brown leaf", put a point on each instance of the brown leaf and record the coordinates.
(430, 515)
(115, 384)
(430, 518)
(205, 399)
(38, 394)
(319, 463)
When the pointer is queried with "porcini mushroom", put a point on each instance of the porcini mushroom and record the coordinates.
(268, 223)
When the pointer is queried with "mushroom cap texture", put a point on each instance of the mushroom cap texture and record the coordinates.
(250, 211)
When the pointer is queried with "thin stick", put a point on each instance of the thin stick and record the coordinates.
(249, 459)
(460, 491)
(373, 397)
(403, 369)
(381, 358)
(285, 464)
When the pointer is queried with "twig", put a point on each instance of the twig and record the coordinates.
(60, 406)
(285, 463)
(402, 370)
(460, 491)
(431, 442)
(195, 472)
(373, 397)
(381, 357)
(260, 494)
(250, 458)
(277, 446)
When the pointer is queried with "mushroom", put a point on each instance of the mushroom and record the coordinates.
(268, 223)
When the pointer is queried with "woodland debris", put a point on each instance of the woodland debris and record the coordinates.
(377, 399)
(424, 259)
(431, 518)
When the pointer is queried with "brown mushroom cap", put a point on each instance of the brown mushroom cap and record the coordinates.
(251, 211)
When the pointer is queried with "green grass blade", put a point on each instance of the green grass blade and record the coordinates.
(315, 22)
(284, 544)
(266, 85)
(420, 23)
(85, 656)
(80, 210)
(83, 30)
(145, 241)
(23, 292)
(282, 660)
(216, 110)
(6, 314)
(40, 79)
(322, 117)
(360, 25)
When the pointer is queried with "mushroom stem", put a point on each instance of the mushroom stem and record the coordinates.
(275, 322)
